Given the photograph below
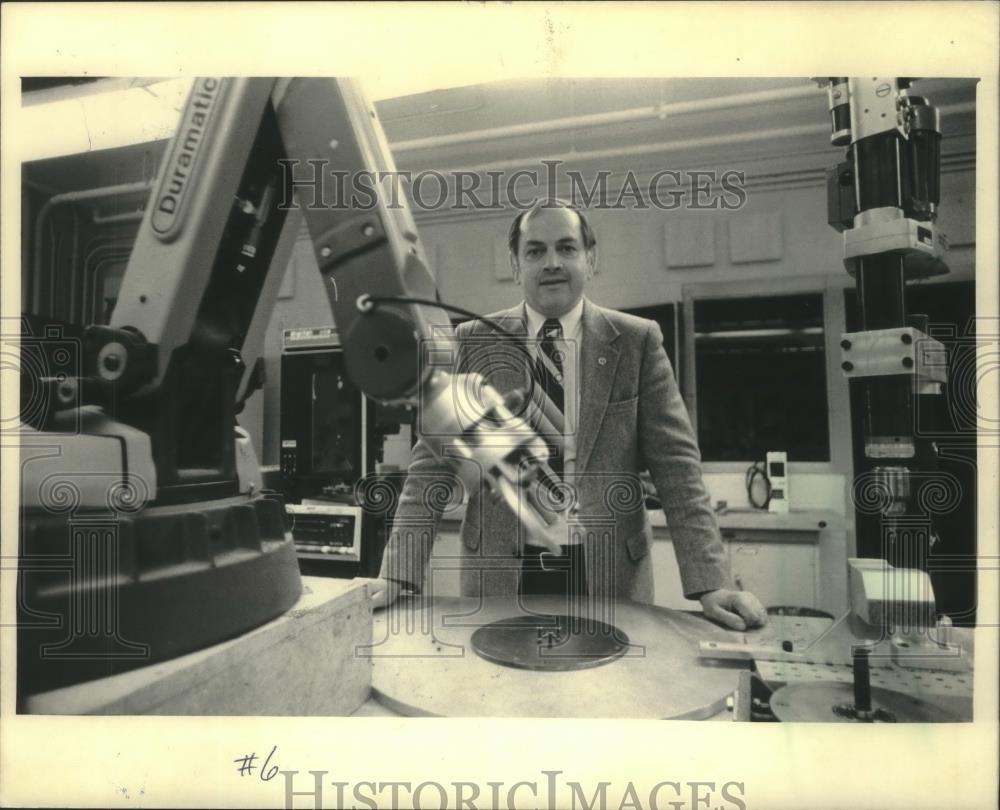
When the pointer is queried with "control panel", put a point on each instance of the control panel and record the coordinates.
(289, 458)
(326, 531)
(777, 475)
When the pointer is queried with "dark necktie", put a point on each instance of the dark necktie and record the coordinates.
(549, 375)
(541, 571)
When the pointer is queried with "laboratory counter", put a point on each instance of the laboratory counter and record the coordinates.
(455, 656)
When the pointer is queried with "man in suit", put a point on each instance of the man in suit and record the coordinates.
(612, 382)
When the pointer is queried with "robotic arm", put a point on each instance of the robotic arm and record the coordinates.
(884, 199)
(191, 554)
(205, 270)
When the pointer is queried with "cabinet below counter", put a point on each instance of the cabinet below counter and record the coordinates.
(793, 560)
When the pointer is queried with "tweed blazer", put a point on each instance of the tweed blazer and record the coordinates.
(631, 418)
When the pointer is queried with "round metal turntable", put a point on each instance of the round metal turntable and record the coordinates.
(555, 642)
(440, 658)
(833, 702)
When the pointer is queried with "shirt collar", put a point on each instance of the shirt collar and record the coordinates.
(570, 320)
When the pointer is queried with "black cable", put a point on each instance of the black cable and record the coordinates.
(753, 471)
(399, 299)
(373, 300)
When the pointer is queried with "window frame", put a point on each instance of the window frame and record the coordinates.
(834, 320)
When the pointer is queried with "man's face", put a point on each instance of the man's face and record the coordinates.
(552, 264)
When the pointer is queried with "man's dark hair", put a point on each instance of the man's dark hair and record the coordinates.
(514, 235)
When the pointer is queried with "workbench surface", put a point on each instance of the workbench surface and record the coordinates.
(424, 665)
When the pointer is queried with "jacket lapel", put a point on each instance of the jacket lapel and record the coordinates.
(598, 363)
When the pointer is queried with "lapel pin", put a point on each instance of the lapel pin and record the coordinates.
(602, 360)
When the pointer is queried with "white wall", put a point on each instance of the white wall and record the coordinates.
(778, 241)
(470, 260)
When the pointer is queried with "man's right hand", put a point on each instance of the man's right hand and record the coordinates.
(383, 592)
